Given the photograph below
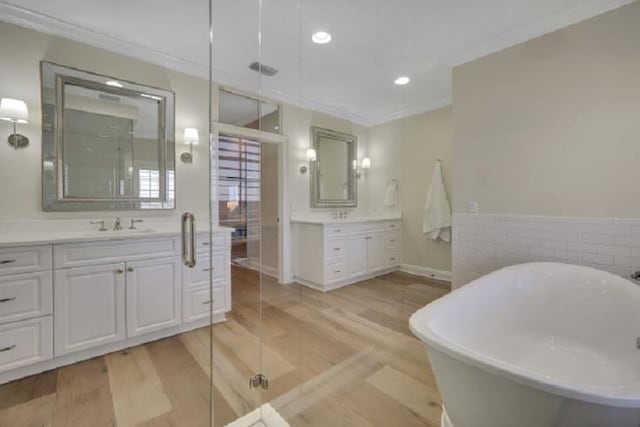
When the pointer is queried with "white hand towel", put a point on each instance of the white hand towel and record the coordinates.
(437, 212)
(391, 195)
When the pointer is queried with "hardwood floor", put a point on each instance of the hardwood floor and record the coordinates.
(344, 358)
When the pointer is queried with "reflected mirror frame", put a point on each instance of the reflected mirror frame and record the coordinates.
(352, 142)
(53, 77)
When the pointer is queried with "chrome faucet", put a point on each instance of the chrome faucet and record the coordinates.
(117, 226)
(101, 222)
(133, 223)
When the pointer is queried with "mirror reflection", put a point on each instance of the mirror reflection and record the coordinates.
(111, 146)
(333, 178)
(247, 112)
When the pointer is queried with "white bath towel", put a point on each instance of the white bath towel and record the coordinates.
(437, 212)
(391, 195)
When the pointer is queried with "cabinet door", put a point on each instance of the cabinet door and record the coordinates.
(375, 252)
(89, 307)
(357, 255)
(153, 295)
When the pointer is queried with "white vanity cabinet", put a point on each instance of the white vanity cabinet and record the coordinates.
(108, 291)
(331, 255)
(68, 301)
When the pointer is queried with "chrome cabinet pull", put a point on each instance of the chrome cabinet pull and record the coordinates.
(189, 239)
(7, 261)
(337, 271)
(211, 301)
(208, 269)
(11, 347)
(336, 249)
(7, 299)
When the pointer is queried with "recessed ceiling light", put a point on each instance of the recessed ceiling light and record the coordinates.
(113, 83)
(321, 37)
(402, 80)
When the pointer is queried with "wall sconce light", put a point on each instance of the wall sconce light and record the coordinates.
(15, 111)
(311, 156)
(365, 164)
(191, 138)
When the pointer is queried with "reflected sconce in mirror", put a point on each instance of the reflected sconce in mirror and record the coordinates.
(365, 164)
(311, 156)
(15, 111)
(191, 138)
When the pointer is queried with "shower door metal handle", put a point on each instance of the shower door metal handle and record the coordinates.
(189, 239)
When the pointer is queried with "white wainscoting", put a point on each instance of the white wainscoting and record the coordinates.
(484, 242)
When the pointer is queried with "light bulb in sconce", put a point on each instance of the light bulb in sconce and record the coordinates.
(310, 156)
(191, 138)
(365, 163)
(15, 111)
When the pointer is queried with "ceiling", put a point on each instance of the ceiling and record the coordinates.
(374, 41)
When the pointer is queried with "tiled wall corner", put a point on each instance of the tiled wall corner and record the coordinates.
(483, 243)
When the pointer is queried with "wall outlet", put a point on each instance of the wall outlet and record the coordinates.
(473, 207)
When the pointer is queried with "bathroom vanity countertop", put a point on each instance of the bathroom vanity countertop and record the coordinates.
(78, 236)
(312, 219)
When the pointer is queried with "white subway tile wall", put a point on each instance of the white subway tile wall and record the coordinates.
(483, 243)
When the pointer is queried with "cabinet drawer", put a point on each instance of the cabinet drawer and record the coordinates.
(25, 296)
(336, 271)
(339, 230)
(199, 275)
(204, 244)
(196, 302)
(26, 342)
(392, 239)
(336, 248)
(391, 225)
(25, 259)
(96, 253)
(391, 257)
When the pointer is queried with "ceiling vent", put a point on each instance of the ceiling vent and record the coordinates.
(263, 69)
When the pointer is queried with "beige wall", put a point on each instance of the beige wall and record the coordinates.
(407, 149)
(20, 177)
(552, 126)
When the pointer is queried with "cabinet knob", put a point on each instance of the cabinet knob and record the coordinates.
(129, 269)
(119, 271)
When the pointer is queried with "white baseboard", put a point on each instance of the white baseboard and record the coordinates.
(264, 269)
(432, 273)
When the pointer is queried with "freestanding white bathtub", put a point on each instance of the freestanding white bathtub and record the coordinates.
(537, 345)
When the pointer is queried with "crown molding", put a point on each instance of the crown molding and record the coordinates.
(50, 25)
(555, 22)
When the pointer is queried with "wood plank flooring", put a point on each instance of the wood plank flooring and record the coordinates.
(344, 358)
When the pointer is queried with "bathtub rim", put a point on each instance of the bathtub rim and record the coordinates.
(419, 323)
